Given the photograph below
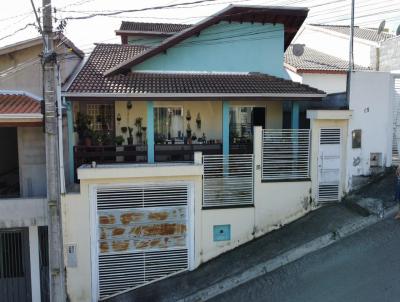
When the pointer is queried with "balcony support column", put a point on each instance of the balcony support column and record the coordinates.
(225, 127)
(150, 132)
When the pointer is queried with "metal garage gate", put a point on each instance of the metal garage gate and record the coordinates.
(15, 280)
(142, 235)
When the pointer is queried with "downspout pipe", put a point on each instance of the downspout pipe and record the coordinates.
(60, 133)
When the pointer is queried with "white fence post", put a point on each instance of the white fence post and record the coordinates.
(198, 158)
(257, 153)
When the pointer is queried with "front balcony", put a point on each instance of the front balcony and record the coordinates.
(160, 131)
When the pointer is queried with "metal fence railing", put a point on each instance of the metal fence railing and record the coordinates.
(286, 154)
(228, 180)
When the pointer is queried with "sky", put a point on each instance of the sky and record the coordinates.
(17, 14)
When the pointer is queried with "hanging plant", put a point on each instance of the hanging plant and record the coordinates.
(198, 121)
(129, 105)
(124, 129)
(119, 117)
(188, 115)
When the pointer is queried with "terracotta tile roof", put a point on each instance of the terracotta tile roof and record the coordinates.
(167, 28)
(90, 79)
(18, 104)
(313, 60)
(369, 34)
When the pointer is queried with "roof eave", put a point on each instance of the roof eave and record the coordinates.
(291, 96)
(144, 33)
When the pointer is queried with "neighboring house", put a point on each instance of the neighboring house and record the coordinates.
(180, 151)
(318, 69)
(149, 34)
(23, 204)
(334, 40)
(389, 55)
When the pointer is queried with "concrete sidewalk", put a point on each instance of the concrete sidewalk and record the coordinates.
(316, 230)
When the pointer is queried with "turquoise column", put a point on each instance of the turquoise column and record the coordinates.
(70, 127)
(225, 127)
(150, 132)
(295, 115)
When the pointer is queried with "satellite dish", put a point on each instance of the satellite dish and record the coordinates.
(398, 31)
(381, 27)
(298, 49)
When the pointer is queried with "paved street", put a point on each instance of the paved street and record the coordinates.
(364, 267)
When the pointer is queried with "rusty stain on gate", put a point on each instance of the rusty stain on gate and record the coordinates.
(142, 229)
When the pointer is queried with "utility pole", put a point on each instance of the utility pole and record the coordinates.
(351, 52)
(50, 82)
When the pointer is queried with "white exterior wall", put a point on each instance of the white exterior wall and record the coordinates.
(335, 44)
(330, 83)
(370, 101)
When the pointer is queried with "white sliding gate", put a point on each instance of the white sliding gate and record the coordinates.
(142, 234)
(329, 162)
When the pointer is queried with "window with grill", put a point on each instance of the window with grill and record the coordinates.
(11, 257)
(102, 116)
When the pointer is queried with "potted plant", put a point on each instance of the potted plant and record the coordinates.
(130, 137)
(138, 124)
(188, 133)
(82, 127)
(119, 140)
(194, 137)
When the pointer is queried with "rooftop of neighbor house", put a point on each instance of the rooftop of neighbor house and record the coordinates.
(291, 17)
(60, 38)
(91, 80)
(163, 29)
(18, 102)
(312, 61)
(364, 33)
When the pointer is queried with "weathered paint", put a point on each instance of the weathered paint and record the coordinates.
(150, 132)
(226, 47)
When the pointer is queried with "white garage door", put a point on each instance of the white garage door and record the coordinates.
(142, 234)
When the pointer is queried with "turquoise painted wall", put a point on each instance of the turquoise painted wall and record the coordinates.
(143, 40)
(226, 47)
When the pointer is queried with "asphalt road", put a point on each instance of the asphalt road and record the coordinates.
(364, 267)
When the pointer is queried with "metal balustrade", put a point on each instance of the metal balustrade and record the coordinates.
(286, 154)
(228, 180)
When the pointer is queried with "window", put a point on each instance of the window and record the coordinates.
(168, 124)
(240, 124)
(356, 139)
(102, 117)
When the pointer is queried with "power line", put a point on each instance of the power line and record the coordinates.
(18, 30)
(135, 10)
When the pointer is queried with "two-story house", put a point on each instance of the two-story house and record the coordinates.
(176, 138)
(23, 206)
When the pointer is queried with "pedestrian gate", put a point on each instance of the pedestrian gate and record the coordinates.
(329, 162)
(15, 281)
(143, 234)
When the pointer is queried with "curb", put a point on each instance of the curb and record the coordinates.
(285, 258)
